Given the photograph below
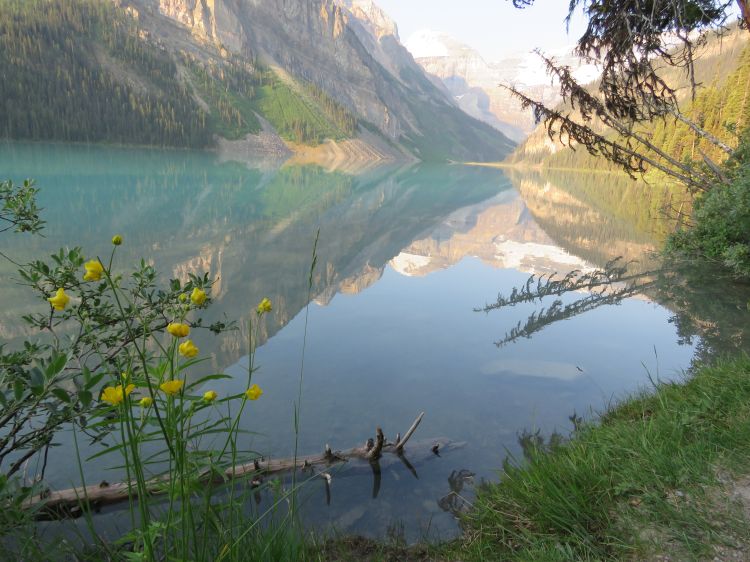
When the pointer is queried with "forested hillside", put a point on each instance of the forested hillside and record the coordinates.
(125, 72)
(721, 107)
(236, 92)
(83, 71)
(78, 71)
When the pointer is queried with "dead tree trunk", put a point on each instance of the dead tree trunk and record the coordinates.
(744, 13)
(73, 502)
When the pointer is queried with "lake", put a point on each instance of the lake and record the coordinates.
(405, 257)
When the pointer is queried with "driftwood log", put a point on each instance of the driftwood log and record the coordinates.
(73, 502)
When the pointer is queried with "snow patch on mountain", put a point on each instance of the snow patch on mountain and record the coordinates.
(429, 43)
(407, 264)
(464, 71)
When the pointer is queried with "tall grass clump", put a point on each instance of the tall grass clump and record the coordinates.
(641, 480)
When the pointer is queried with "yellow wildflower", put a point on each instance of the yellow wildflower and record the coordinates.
(254, 392)
(183, 297)
(145, 402)
(264, 306)
(94, 270)
(178, 330)
(188, 349)
(210, 396)
(60, 300)
(115, 394)
(171, 387)
(117, 240)
(198, 296)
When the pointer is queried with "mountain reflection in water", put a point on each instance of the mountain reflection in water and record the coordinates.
(405, 257)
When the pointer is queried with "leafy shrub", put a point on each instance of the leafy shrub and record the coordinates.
(721, 218)
(114, 361)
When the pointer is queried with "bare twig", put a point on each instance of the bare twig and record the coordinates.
(412, 429)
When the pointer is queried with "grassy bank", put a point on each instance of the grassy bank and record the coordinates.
(656, 476)
(659, 477)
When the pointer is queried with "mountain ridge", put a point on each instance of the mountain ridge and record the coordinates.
(372, 74)
(319, 72)
(477, 84)
(379, 72)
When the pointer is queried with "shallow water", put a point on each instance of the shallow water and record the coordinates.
(405, 257)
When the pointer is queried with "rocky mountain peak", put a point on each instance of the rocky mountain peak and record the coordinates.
(348, 49)
(369, 14)
(476, 83)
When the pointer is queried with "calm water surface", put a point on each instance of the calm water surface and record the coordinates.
(404, 259)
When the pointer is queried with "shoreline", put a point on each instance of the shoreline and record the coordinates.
(662, 475)
(357, 154)
(525, 167)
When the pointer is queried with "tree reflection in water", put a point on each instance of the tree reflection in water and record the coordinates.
(607, 286)
(454, 501)
(707, 303)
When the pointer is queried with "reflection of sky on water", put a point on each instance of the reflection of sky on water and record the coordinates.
(412, 344)
(404, 259)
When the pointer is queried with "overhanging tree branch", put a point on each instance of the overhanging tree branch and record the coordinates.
(632, 42)
(628, 154)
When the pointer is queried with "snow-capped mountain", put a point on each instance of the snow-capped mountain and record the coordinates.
(476, 83)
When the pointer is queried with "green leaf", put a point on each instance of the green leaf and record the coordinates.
(85, 398)
(189, 363)
(56, 365)
(18, 390)
(61, 395)
(94, 380)
(206, 379)
(106, 451)
(36, 377)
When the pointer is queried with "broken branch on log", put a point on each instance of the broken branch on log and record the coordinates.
(402, 442)
(374, 453)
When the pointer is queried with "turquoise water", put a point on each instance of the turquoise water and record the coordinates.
(405, 256)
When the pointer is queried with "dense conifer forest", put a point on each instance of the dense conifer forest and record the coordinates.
(78, 71)
(83, 71)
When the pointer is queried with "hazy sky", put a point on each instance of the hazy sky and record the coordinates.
(493, 27)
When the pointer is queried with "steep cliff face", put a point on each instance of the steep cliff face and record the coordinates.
(209, 20)
(476, 83)
(351, 50)
(374, 19)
